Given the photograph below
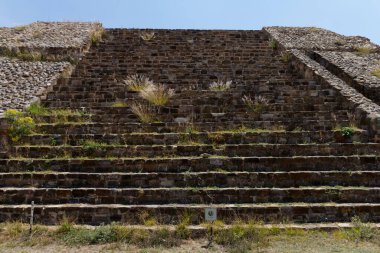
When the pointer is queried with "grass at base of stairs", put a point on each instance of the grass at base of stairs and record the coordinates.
(252, 237)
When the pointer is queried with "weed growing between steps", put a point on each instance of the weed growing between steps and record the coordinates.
(23, 123)
(238, 237)
(154, 95)
(20, 124)
(60, 115)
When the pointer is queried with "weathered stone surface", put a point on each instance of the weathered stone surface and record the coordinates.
(312, 38)
(355, 69)
(54, 40)
(48, 34)
(23, 82)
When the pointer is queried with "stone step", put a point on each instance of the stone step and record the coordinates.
(89, 88)
(168, 127)
(188, 114)
(173, 213)
(232, 97)
(199, 150)
(194, 164)
(260, 136)
(197, 195)
(49, 179)
(189, 110)
(83, 86)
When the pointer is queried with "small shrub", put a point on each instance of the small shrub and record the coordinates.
(37, 109)
(256, 105)
(182, 231)
(143, 112)
(77, 236)
(363, 50)
(239, 238)
(339, 43)
(20, 28)
(24, 55)
(376, 73)
(285, 57)
(146, 219)
(137, 82)
(65, 226)
(220, 85)
(158, 95)
(20, 125)
(97, 36)
(14, 229)
(91, 146)
(347, 131)
(119, 104)
(147, 36)
(273, 44)
(314, 29)
(361, 231)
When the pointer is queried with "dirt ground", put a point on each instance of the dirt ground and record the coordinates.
(311, 243)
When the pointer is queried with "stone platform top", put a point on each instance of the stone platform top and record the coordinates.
(313, 38)
(48, 34)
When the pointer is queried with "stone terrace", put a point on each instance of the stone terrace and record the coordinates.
(292, 160)
(23, 82)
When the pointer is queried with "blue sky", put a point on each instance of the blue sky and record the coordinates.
(348, 17)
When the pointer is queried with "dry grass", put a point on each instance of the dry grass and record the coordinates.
(286, 57)
(137, 82)
(147, 36)
(144, 112)
(240, 237)
(363, 50)
(376, 73)
(220, 85)
(119, 104)
(157, 94)
(257, 104)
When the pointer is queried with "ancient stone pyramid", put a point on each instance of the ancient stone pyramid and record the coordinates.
(279, 124)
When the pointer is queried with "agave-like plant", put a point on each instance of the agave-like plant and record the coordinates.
(137, 82)
(157, 94)
(220, 85)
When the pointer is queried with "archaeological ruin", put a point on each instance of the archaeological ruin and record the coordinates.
(100, 125)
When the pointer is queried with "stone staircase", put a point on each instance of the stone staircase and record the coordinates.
(291, 162)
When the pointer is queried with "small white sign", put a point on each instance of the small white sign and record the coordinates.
(210, 214)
